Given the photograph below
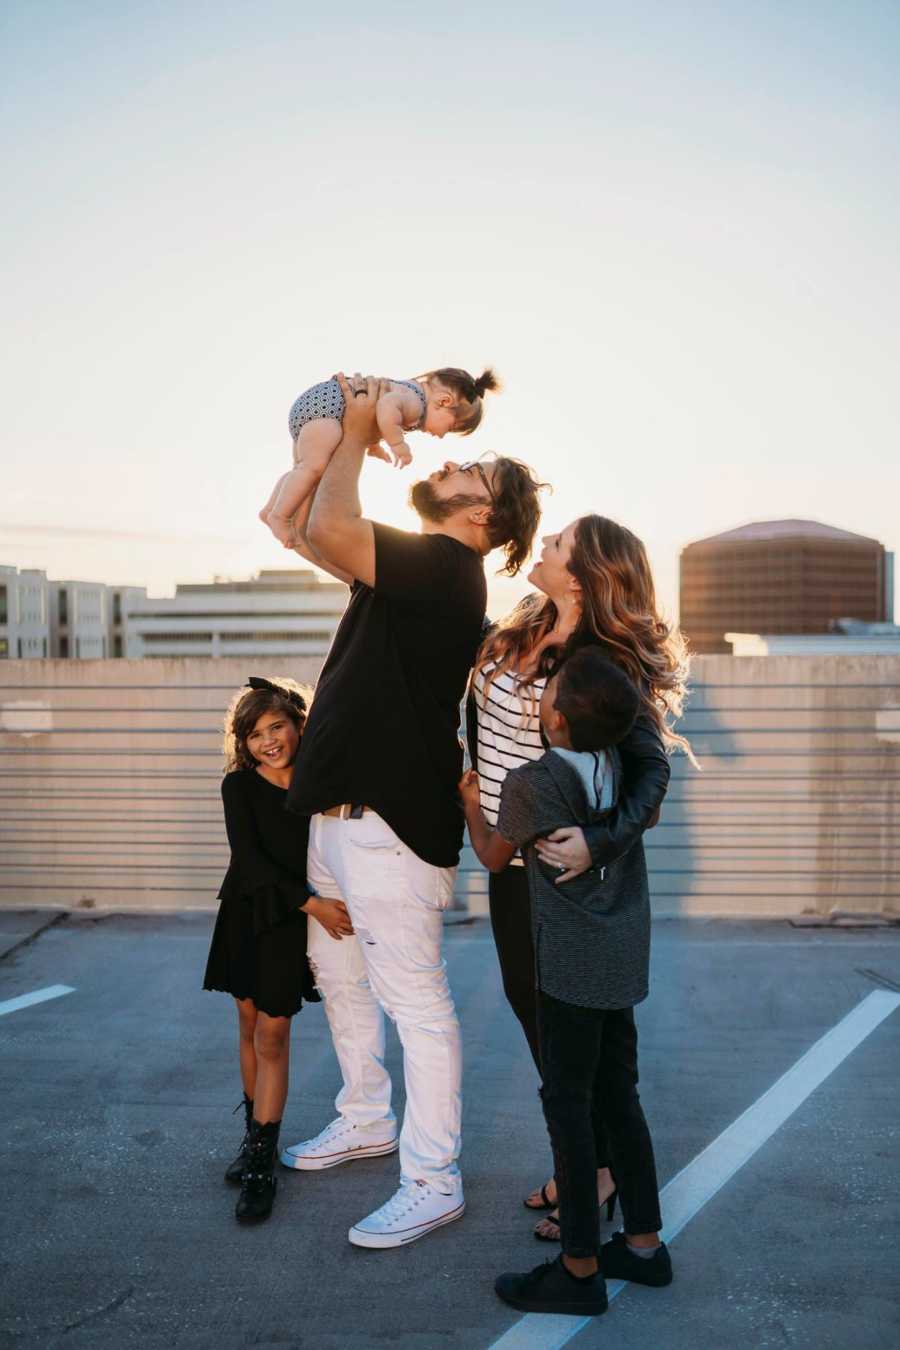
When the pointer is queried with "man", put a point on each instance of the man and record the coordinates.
(377, 773)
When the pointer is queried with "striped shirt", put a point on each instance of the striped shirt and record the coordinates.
(509, 733)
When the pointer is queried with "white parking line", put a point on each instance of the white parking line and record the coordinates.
(696, 1184)
(37, 996)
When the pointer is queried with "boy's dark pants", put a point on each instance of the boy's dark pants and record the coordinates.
(589, 1061)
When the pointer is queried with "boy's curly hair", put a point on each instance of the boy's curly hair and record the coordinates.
(278, 695)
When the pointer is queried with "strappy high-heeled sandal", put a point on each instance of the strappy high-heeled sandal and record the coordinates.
(609, 1202)
(546, 1202)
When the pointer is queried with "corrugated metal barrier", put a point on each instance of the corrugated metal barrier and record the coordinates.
(110, 770)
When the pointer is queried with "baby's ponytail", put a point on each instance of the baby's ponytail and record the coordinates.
(487, 382)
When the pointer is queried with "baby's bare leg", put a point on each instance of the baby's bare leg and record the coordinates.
(313, 449)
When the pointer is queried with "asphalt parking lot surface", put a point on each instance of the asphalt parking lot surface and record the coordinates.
(118, 1230)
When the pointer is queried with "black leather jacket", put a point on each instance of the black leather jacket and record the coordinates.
(645, 778)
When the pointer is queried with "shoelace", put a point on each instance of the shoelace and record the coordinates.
(402, 1201)
(333, 1131)
(245, 1142)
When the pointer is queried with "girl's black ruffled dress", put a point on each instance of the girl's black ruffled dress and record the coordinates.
(258, 947)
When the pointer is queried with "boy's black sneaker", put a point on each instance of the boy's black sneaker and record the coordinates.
(618, 1263)
(550, 1288)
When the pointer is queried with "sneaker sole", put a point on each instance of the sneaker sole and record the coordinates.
(566, 1309)
(658, 1283)
(360, 1238)
(308, 1164)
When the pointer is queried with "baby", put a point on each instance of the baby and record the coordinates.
(441, 401)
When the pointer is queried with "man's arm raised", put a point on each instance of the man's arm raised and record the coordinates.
(337, 529)
(301, 545)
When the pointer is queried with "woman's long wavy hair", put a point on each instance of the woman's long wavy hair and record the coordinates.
(618, 612)
(247, 707)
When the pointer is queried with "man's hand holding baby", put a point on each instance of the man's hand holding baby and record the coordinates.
(361, 395)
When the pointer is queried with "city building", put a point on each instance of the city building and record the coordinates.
(781, 576)
(847, 637)
(121, 601)
(79, 625)
(24, 613)
(274, 614)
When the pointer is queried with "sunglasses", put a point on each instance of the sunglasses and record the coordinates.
(479, 469)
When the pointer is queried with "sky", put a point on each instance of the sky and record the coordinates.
(671, 227)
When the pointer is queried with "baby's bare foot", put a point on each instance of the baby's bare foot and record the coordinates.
(281, 527)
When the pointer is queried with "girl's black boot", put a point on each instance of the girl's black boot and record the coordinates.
(258, 1183)
(234, 1171)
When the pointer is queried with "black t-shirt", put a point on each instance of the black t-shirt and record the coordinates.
(383, 727)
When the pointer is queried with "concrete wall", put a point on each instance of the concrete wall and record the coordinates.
(797, 807)
(110, 770)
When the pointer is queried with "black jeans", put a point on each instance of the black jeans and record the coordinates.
(511, 925)
(589, 1057)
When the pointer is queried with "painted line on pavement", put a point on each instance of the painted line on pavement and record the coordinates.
(37, 996)
(694, 1186)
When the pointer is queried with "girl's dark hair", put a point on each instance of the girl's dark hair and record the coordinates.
(597, 699)
(283, 695)
(469, 390)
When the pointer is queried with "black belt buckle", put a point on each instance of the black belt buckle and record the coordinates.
(356, 811)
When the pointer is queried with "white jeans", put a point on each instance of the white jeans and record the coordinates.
(393, 962)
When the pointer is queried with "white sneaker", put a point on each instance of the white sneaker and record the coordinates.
(340, 1142)
(409, 1214)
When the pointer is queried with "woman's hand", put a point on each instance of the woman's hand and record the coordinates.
(469, 790)
(565, 848)
(331, 914)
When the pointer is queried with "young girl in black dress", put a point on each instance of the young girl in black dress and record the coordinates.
(258, 951)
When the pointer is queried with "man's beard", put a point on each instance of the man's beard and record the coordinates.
(429, 506)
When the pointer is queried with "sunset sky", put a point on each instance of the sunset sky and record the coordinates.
(672, 228)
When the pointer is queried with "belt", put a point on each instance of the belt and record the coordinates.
(347, 811)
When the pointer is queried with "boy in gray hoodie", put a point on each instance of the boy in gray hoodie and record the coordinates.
(592, 948)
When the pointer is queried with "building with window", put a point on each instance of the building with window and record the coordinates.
(121, 601)
(781, 576)
(24, 613)
(276, 614)
(79, 620)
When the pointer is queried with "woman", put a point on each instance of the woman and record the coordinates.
(594, 586)
(258, 951)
